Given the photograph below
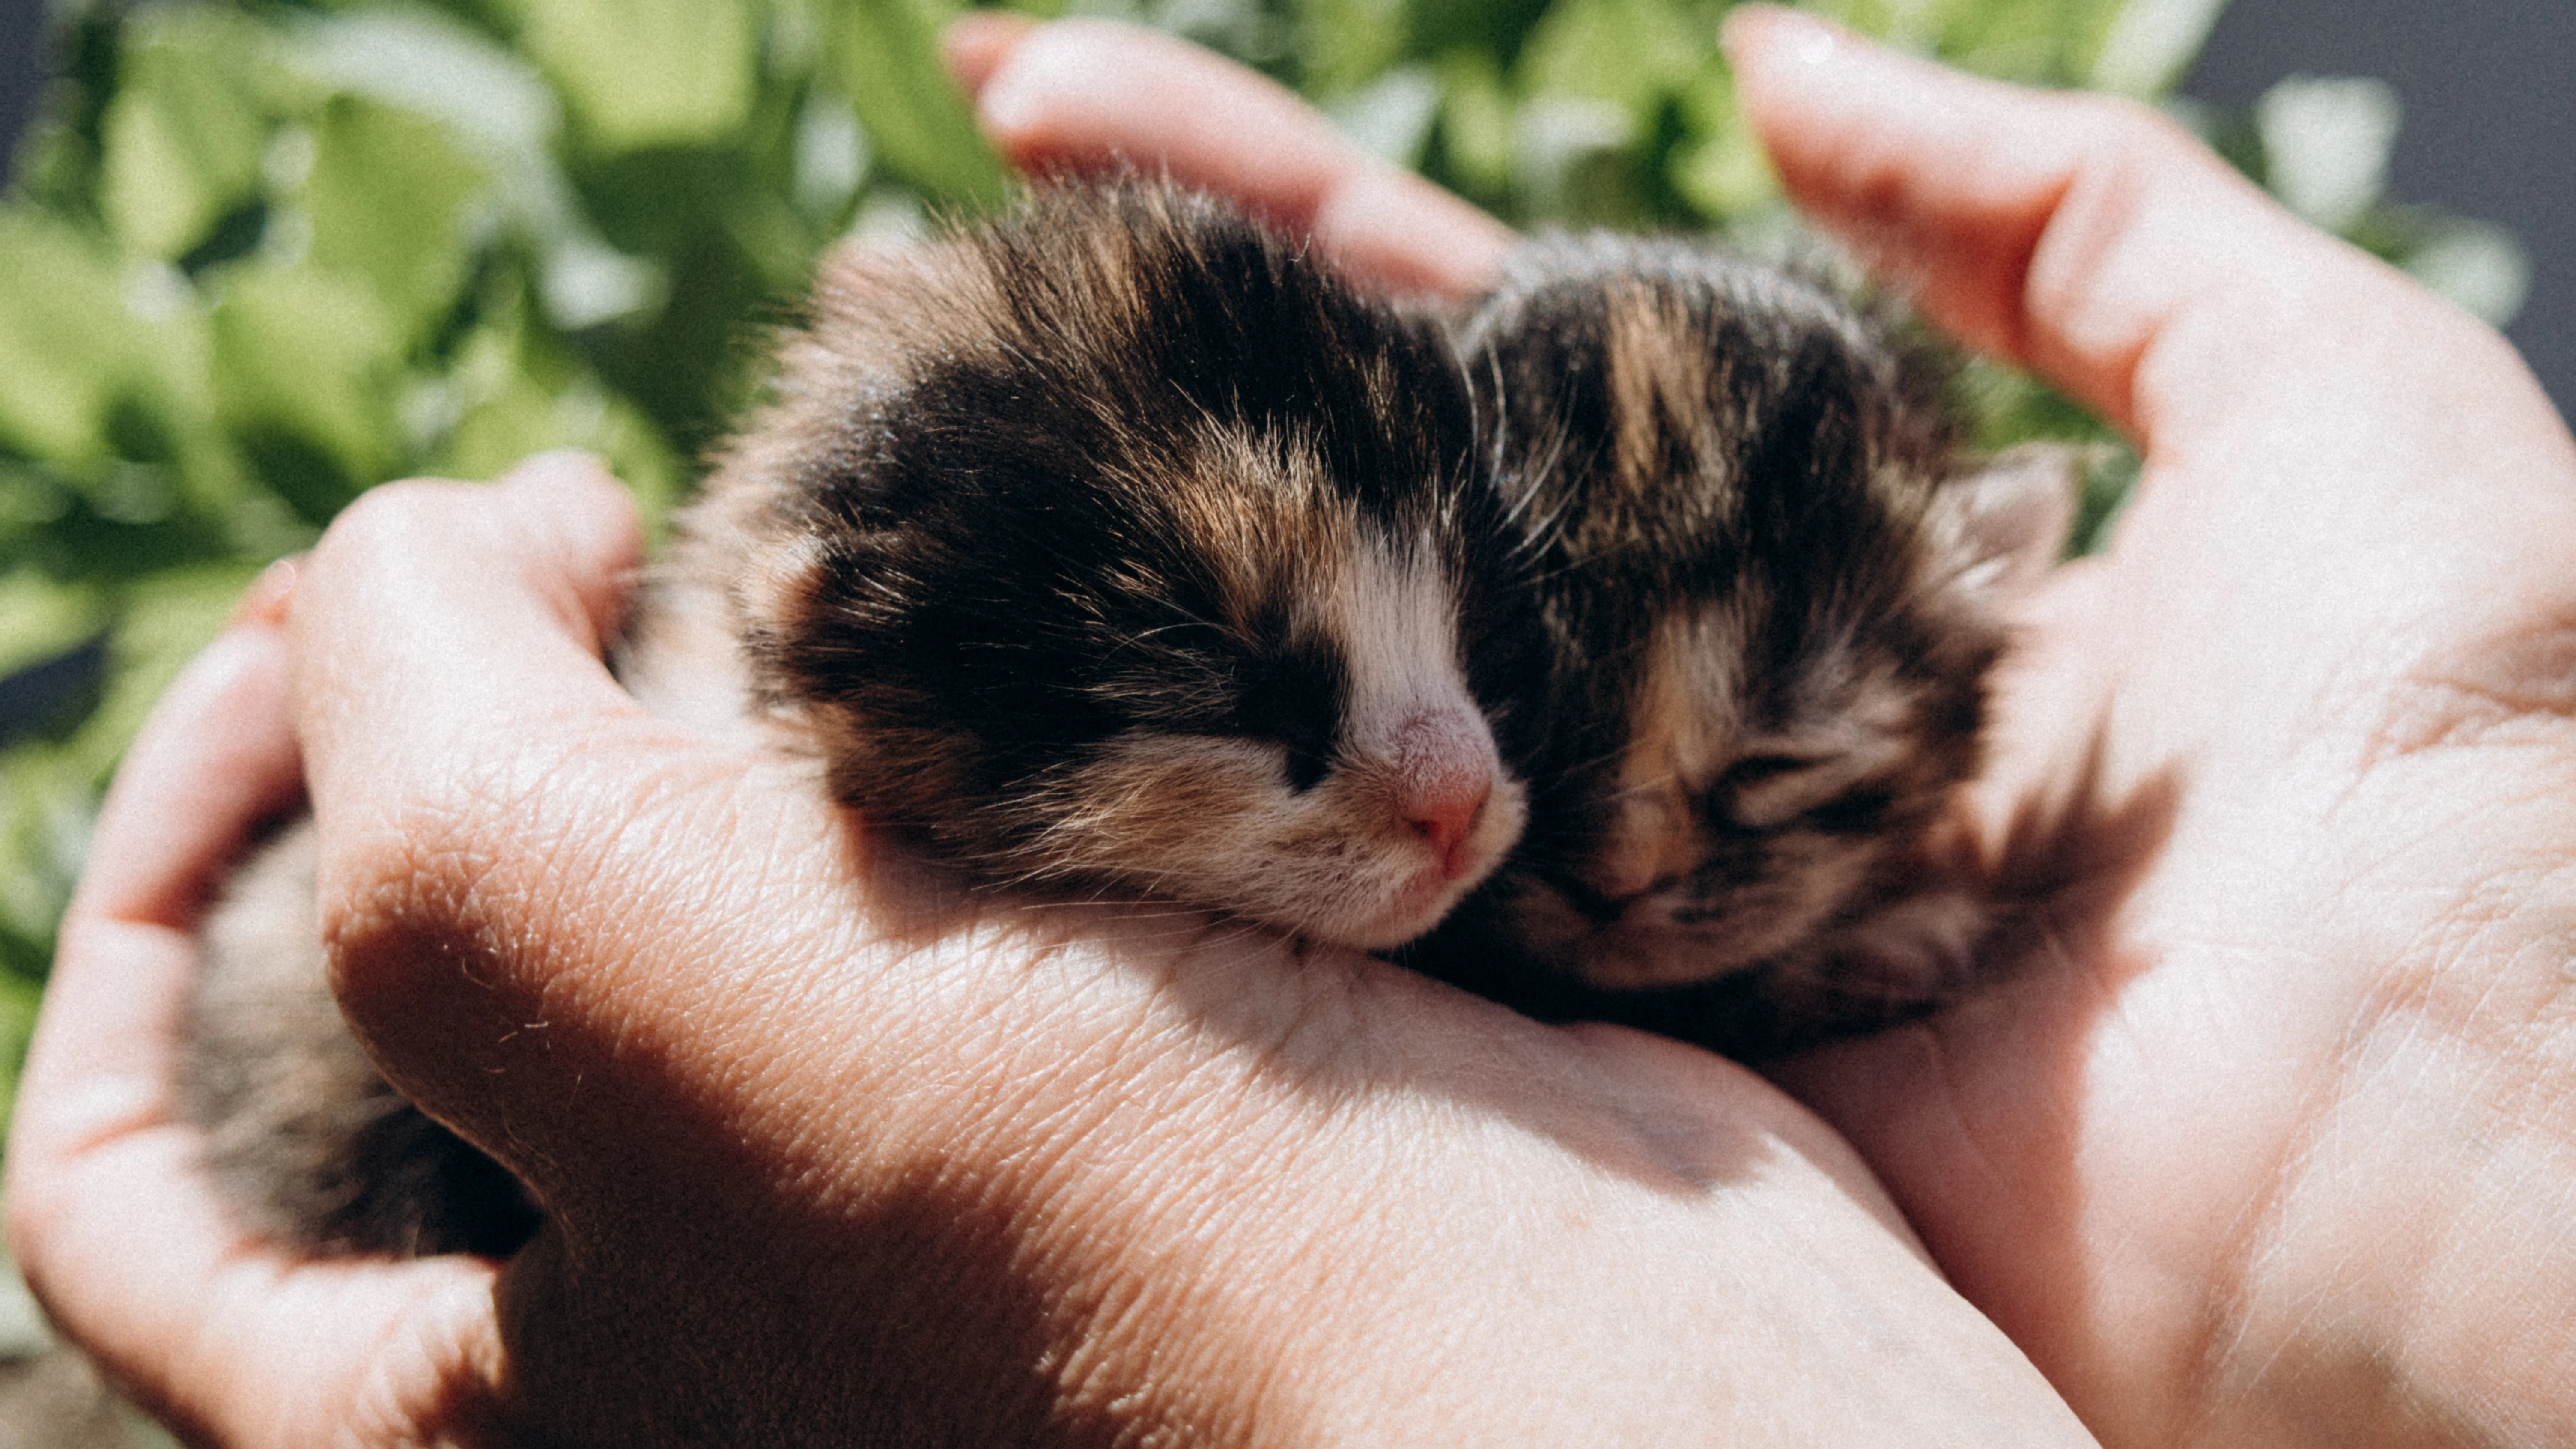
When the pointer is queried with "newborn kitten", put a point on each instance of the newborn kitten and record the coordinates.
(1772, 592)
(1111, 550)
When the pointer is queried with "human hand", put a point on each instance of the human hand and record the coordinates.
(2262, 1136)
(832, 1155)
(2266, 1136)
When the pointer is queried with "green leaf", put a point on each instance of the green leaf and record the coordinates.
(19, 999)
(885, 56)
(387, 196)
(1631, 52)
(2326, 143)
(185, 130)
(304, 365)
(1391, 117)
(42, 617)
(49, 792)
(2481, 267)
(96, 360)
(1495, 27)
(1721, 169)
(1475, 121)
(67, 344)
(644, 73)
(2150, 43)
(1346, 43)
(47, 800)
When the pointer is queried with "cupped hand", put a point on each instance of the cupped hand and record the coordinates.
(2267, 1131)
(834, 1153)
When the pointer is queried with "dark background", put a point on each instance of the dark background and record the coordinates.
(21, 27)
(2489, 88)
(2490, 93)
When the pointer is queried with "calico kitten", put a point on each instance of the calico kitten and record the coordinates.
(1110, 550)
(1772, 592)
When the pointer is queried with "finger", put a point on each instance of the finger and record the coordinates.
(1089, 95)
(216, 755)
(266, 600)
(2085, 236)
(110, 1215)
(495, 811)
(420, 593)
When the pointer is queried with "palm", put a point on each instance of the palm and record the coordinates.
(2313, 698)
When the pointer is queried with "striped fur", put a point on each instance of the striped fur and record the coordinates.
(1772, 591)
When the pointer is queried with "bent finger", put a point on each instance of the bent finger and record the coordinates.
(216, 755)
(111, 1215)
(1089, 95)
(497, 815)
(2087, 237)
(437, 606)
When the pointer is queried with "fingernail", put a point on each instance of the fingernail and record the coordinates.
(1004, 105)
(265, 601)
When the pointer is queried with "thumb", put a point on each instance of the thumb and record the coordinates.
(2087, 237)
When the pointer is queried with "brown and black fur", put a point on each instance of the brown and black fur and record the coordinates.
(1111, 550)
(1772, 588)
(1096, 479)
(1115, 551)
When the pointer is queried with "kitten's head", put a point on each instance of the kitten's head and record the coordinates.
(1773, 596)
(1117, 549)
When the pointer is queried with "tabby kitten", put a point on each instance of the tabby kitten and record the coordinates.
(1772, 591)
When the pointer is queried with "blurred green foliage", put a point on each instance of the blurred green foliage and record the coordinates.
(261, 255)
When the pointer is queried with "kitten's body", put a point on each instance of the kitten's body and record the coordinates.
(1116, 552)
(1113, 550)
(1772, 591)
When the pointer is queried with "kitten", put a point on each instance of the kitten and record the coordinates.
(1110, 550)
(1772, 592)
(1115, 551)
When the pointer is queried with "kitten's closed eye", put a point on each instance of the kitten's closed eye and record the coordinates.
(1294, 699)
(1856, 812)
(1761, 791)
(1303, 767)
(1840, 784)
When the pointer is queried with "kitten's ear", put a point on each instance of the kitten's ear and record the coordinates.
(2005, 520)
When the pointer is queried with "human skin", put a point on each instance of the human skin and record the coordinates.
(2263, 1139)
(836, 1156)
(2269, 1136)
(2267, 1133)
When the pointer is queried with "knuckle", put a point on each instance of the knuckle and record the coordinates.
(414, 891)
(2129, 135)
(391, 517)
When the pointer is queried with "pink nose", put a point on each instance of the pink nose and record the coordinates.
(1446, 815)
(1444, 773)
